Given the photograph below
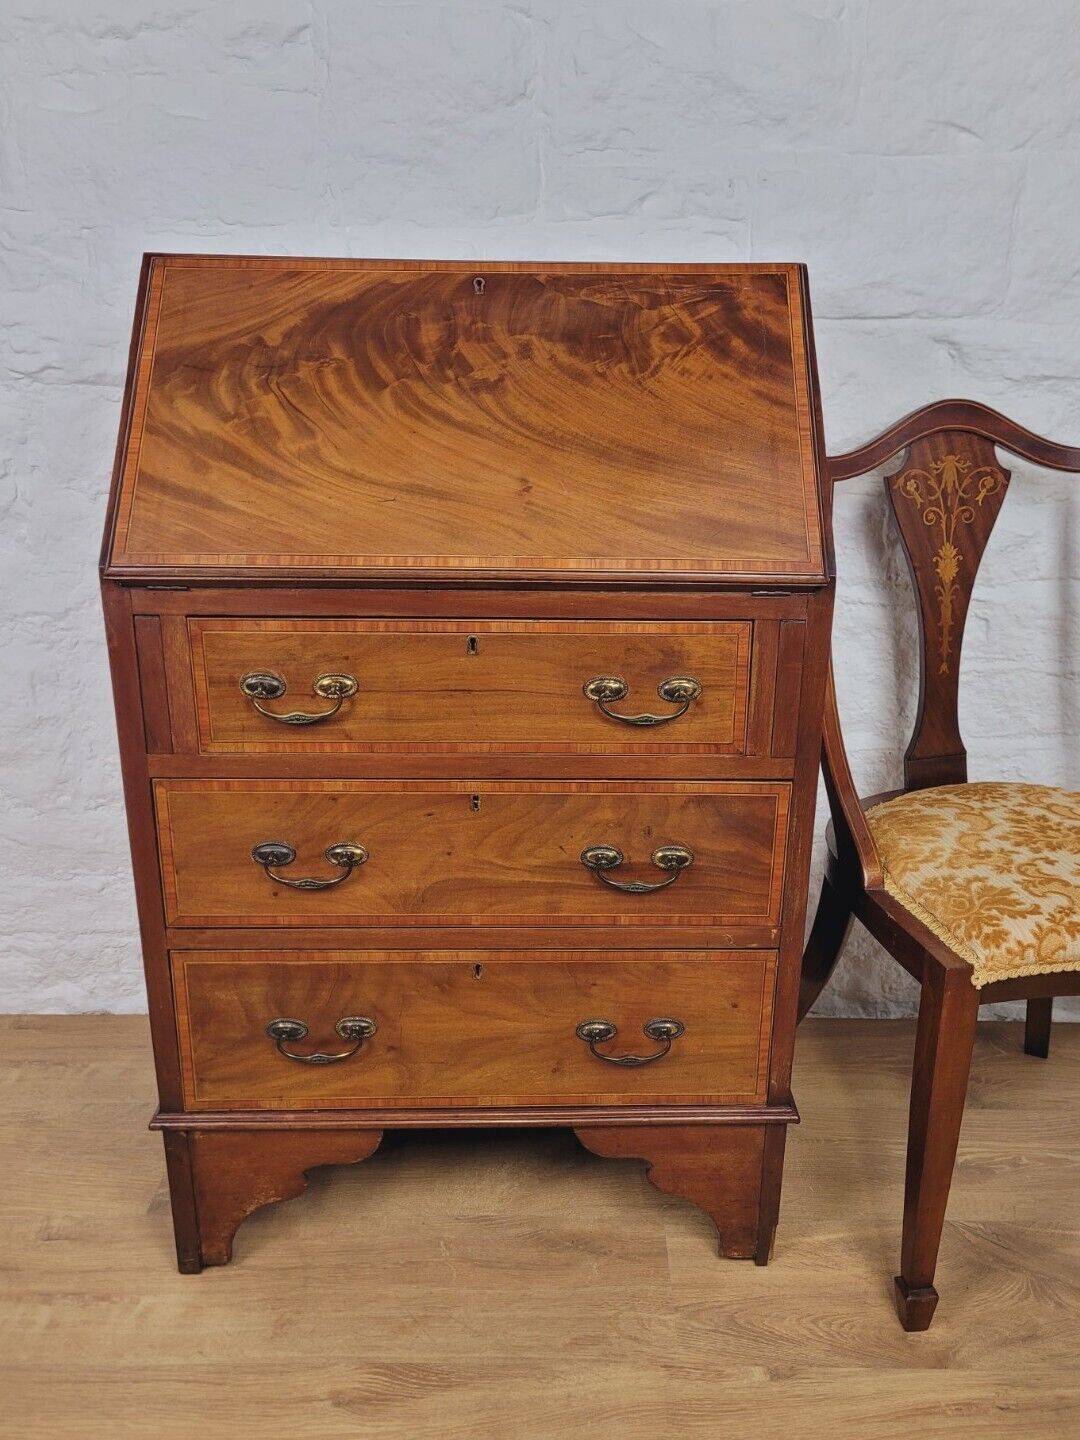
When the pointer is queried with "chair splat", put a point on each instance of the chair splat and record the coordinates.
(946, 497)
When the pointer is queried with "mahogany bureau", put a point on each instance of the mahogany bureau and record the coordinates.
(468, 627)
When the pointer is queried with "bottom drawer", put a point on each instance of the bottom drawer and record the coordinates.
(470, 1028)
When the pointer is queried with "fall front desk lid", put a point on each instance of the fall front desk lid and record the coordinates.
(355, 418)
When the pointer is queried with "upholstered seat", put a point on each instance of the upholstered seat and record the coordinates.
(992, 869)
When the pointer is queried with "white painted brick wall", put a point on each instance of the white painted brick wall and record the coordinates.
(921, 157)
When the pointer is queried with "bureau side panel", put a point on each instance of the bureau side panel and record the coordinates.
(131, 723)
(815, 660)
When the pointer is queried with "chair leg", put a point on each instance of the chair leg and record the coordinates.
(948, 1010)
(1040, 1014)
(832, 921)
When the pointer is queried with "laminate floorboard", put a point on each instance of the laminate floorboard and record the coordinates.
(474, 1285)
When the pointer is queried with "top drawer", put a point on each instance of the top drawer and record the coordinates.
(474, 687)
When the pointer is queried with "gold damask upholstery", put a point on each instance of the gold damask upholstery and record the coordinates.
(992, 869)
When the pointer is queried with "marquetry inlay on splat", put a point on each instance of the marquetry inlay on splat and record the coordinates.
(946, 497)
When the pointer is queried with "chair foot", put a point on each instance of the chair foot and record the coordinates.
(1040, 1015)
(914, 1307)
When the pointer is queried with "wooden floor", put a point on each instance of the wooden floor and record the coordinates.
(467, 1286)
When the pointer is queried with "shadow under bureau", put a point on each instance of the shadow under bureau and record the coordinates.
(468, 628)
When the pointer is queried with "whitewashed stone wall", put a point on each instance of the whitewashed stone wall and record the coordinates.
(921, 157)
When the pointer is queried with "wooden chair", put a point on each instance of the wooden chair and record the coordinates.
(973, 889)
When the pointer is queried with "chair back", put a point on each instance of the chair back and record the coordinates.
(946, 496)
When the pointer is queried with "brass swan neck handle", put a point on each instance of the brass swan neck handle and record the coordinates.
(602, 859)
(595, 1032)
(356, 1028)
(680, 690)
(267, 685)
(273, 854)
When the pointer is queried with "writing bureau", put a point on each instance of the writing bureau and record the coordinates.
(468, 628)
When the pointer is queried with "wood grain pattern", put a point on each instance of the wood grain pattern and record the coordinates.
(674, 763)
(587, 470)
(967, 417)
(355, 417)
(718, 1169)
(763, 678)
(471, 1028)
(180, 683)
(789, 677)
(517, 688)
(157, 726)
(479, 935)
(946, 497)
(944, 1042)
(235, 1173)
(473, 1285)
(142, 831)
(466, 852)
(811, 689)
(456, 597)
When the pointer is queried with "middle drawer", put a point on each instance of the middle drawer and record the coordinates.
(399, 853)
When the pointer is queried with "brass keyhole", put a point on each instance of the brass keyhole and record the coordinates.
(478, 285)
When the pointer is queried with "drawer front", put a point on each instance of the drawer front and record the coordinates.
(471, 852)
(470, 1028)
(478, 687)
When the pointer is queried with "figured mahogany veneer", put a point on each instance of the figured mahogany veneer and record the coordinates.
(358, 416)
(422, 685)
(470, 852)
(471, 1028)
(471, 490)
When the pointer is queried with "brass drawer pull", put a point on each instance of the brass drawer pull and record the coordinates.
(681, 690)
(272, 854)
(356, 1028)
(265, 685)
(601, 859)
(595, 1032)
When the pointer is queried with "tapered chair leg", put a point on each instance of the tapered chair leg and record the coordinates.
(1040, 1014)
(832, 921)
(948, 1010)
